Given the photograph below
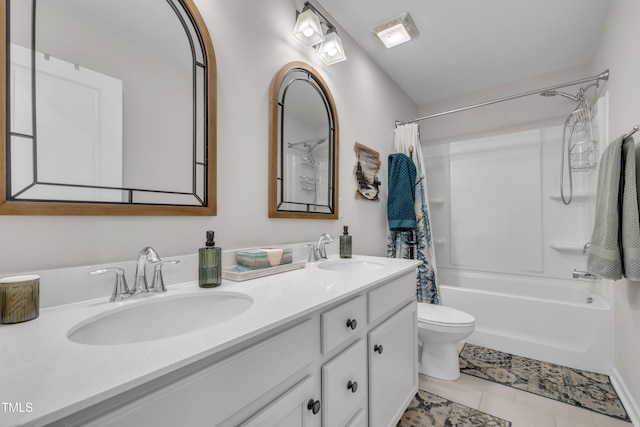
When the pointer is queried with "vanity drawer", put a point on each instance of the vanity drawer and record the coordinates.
(387, 298)
(342, 323)
(344, 385)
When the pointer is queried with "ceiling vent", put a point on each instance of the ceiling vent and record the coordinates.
(396, 31)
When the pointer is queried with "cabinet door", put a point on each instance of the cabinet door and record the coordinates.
(289, 410)
(393, 367)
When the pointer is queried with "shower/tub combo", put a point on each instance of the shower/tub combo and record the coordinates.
(507, 241)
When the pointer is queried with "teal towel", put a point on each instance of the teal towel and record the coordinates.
(402, 192)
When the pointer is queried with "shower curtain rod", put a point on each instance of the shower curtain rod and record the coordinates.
(602, 76)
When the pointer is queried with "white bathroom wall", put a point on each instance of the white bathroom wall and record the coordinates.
(252, 42)
(617, 51)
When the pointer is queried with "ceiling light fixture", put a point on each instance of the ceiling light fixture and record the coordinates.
(331, 50)
(308, 32)
(396, 31)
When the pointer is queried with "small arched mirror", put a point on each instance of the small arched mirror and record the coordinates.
(111, 108)
(303, 145)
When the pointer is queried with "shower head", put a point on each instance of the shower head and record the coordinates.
(555, 92)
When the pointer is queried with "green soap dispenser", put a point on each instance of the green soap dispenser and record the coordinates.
(345, 243)
(210, 263)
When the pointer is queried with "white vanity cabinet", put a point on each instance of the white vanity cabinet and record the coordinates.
(350, 363)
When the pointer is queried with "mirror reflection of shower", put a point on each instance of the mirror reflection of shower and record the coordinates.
(579, 146)
(309, 172)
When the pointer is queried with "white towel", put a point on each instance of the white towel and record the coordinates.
(274, 255)
(615, 241)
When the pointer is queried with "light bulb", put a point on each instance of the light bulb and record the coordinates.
(308, 32)
(332, 52)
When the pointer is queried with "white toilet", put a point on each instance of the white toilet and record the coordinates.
(439, 331)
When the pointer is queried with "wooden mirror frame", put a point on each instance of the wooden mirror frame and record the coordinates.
(274, 142)
(8, 207)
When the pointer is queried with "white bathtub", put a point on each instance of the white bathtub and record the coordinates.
(559, 321)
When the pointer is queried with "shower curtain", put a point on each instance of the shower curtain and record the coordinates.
(407, 141)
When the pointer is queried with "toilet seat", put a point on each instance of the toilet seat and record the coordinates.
(438, 315)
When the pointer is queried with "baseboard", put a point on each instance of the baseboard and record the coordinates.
(626, 398)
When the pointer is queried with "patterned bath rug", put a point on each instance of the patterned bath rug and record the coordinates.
(429, 410)
(583, 389)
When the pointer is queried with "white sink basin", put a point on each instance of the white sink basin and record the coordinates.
(159, 317)
(350, 265)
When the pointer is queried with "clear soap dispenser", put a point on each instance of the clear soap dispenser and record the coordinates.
(210, 263)
(345, 243)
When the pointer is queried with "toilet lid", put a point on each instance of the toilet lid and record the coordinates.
(441, 315)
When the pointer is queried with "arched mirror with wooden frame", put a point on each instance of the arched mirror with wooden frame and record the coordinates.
(303, 145)
(110, 108)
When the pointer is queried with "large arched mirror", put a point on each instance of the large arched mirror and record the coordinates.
(303, 145)
(111, 108)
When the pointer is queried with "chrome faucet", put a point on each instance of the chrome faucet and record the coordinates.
(147, 255)
(318, 251)
(120, 288)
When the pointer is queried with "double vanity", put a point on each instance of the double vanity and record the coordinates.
(332, 344)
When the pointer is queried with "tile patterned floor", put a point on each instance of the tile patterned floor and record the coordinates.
(522, 408)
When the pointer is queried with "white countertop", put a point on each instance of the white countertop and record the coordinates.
(45, 376)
